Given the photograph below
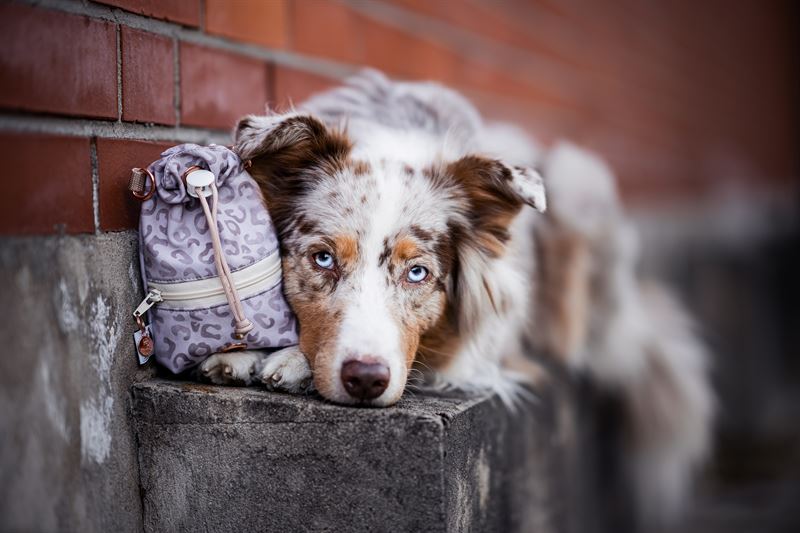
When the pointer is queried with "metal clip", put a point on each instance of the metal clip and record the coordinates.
(138, 184)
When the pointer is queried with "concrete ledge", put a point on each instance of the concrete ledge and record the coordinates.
(235, 459)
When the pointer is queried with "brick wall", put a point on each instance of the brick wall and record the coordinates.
(679, 96)
(682, 97)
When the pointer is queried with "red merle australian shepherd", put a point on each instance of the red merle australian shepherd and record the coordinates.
(416, 238)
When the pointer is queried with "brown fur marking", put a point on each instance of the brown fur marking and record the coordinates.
(346, 249)
(404, 250)
(494, 204)
(439, 345)
(360, 167)
(291, 159)
(563, 291)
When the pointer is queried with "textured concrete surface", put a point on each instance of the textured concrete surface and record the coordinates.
(67, 455)
(227, 459)
(231, 459)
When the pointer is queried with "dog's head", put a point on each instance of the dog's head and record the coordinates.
(382, 260)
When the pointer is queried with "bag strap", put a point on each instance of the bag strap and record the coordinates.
(243, 325)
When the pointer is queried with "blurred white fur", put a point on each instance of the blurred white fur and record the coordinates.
(636, 340)
(632, 337)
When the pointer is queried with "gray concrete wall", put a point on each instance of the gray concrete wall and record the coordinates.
(67, 452)
(69, 460)
(233, 459)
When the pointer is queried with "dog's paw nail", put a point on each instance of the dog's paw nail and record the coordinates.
(252, 370)
(227, 370)
(276, 377)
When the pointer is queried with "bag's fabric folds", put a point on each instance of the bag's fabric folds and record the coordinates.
(177, 257)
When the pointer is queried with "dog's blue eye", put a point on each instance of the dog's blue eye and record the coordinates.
(324, 260)
(417, 273)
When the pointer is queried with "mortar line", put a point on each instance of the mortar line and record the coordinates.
(271, 86)
(95, 184)
(119, 72)
(176, 81)
(66, 125)
(78, 127)
(202, 8)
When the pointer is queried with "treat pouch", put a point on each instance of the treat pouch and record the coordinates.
(210, 260)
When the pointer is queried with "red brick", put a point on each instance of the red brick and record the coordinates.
(482, 76)
(57, 63)
(218, 88)
(545, 123)
(405, 54)
(256, 21)
(488, 21)
(659, 190)
(48, 186)
(325, 29)
(119, 210)
(292, 86)
(148, 79)
(186, 12)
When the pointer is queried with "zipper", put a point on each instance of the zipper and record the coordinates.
(176, 295)
(249, 280)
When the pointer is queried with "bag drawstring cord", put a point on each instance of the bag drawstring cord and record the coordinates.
(243, 325)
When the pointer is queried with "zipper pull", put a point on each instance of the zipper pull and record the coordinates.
(153, 297)
(142, 338)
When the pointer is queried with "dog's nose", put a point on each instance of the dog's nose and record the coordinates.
(365, 381)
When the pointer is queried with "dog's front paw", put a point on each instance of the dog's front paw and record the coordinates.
(287, 370)
(234, 368)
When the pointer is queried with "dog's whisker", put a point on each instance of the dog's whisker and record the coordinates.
(410, 391)
(432, 350)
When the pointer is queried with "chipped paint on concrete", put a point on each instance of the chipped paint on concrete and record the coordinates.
(95, 435)
(463, 511)
(133, 275)
(67, 311)
(96, 411)
(53, 403)
(68, 447)
(23, 278)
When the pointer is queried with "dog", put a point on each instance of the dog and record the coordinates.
(419, 242)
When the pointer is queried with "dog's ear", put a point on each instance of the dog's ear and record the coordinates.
(282, 150)
(296, 138)
(495, 193)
